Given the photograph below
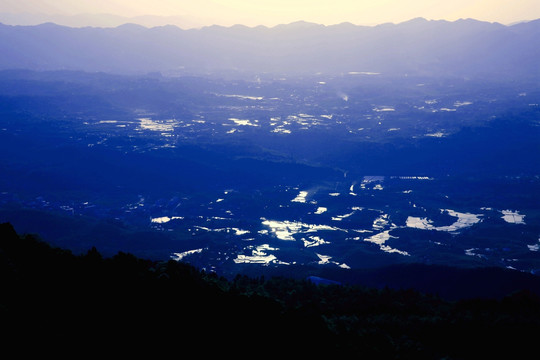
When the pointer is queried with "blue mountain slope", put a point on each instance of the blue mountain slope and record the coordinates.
(462, 48)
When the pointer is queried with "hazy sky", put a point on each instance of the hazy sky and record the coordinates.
(273, 12)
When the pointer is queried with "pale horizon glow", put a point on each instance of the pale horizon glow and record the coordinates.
(275, 12)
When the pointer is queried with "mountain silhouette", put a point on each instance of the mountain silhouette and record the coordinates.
(464, 48)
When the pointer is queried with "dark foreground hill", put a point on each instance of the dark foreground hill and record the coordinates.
(54, 301)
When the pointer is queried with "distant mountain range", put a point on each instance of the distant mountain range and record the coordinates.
(465, 48)
(101, 20)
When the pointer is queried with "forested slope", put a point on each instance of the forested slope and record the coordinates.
(55, 301)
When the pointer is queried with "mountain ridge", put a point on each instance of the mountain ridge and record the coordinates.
(464, 48)
(6, 19)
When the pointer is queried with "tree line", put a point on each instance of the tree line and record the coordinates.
(54, 300)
